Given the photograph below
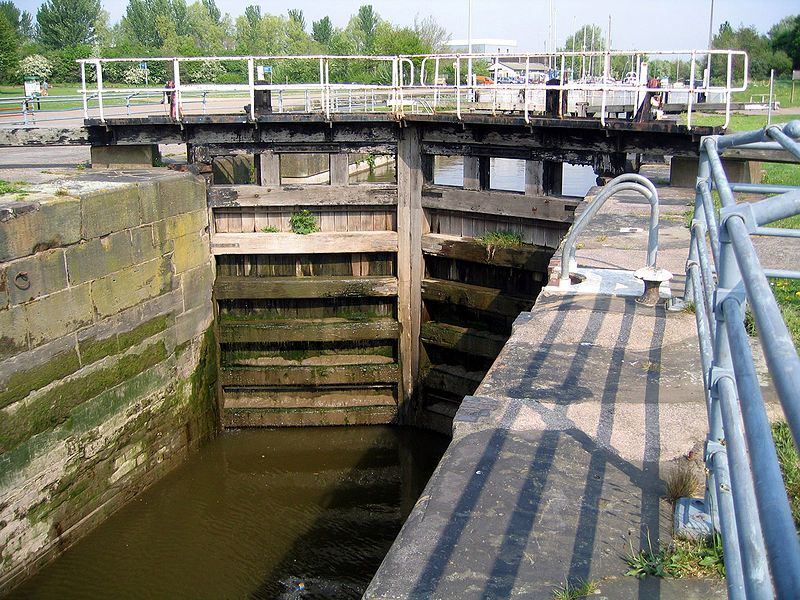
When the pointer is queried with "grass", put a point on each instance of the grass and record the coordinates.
(574, 591)
(682, 558)
(12, 187)
(501, 239)
(270, 229)
(790, 466)
(303, 222)
(681, 482)
(739, 121)
(782, 93)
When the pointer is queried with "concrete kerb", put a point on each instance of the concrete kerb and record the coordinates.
(554, 472)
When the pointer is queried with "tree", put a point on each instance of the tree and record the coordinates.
(431, 33)
(785, 36)
(296, 17)
(67, 22)
(36, 66)
(20, 21)
(763, 57)
(8, 49)
(213, 11)
(322, 31)
(367, 23)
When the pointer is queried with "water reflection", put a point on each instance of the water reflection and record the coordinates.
(289, 513)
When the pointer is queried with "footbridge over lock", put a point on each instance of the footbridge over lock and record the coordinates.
(393, 300)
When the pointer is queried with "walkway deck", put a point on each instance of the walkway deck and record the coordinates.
(557, 463)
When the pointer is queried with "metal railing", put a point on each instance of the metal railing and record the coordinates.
(626, 182)
(745, 493)
(430, 83)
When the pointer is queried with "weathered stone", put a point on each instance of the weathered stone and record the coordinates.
(149, 243)
(193, 323)
(105, 212)
(37, 275)
(58, 314)
(148, 202)
(3, 290)
(185, 224)
(197, 285)
(22, 383)
(191, 251)
(13, 331)
(128, 287)
(124, 157)
(683, 171)
(99, 257)
(36, 226)
(180, 194)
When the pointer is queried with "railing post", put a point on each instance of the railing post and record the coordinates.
(176, 78)
(83, 91)
(99, 69)
(251, 87)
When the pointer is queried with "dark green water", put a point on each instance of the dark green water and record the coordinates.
(286, 513)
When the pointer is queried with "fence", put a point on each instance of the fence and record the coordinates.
(445, 83)
(745, 494)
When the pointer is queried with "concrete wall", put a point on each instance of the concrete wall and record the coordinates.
(107, 366)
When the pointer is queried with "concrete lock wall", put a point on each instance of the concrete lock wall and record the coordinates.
(107, 366)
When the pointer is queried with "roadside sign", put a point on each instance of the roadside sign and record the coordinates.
(143, 66)
(267, 69)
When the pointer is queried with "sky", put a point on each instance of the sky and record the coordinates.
(642, 24)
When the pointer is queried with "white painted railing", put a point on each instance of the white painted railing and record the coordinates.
(423, 83)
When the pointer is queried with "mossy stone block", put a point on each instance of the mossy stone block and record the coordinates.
(23, 383)
(191, 251)
(99, 257)
(124, 157)
(36, 226)
(129, 287)
(57, 315)
(109, 211)
(33, 276)
(13, 331)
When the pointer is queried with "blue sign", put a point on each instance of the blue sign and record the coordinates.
(267, 69)
(143, 66)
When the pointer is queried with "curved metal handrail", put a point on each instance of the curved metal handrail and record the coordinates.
(626, 182)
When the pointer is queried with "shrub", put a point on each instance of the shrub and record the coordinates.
(37, 66)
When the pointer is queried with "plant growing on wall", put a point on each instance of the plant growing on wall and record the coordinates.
(303, 222)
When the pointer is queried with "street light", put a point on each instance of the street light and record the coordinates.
(469, 45)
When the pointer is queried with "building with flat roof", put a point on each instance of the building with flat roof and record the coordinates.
(482, 46)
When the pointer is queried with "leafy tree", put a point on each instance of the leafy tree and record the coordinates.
(785, 36)
(367, 24)
(296, 17)
(37, 66)
(431, 33)
(213, 11)
(20, 21)
(64, 23)
(8, 50)
(146, 22)
(762, 55)
(588, 37)
(209, 34)
(322, 31)
(253, 15)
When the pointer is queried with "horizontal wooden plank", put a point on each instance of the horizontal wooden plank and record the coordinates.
(543, 208)
(252, 288)
(317, 330)
(309, 376)
(469, 340)
(454, 380)
(526, 256)
(44, 136)
(302, 195)
(270, 398)
(473, 296)
(309, 417)
(313, 243)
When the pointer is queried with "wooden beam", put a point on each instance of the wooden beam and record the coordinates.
(252, 288)
(44, 136)
(507, 204)
(269, 169)
(312, 416)
(223, 196)
(454, 380)
(340, 169)
(321, 399)
(464, 339)
(527, 256)
(313, 243)
(476, 297)
(308, 376)
(319, 330)
(410, 264)
(471, 173)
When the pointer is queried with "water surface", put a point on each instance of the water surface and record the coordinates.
(284, 513)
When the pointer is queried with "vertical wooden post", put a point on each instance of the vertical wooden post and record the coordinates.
(410, 263)
(534, 173)
(484, 172)
(339, 168)
(552, 177)
(471, 179)
(427, 168)
(270, 169)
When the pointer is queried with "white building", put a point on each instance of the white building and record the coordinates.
(481, 46)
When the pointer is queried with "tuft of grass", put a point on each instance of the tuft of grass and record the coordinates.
(501, 239)
(270, 229)
(9, 187)
(303, 222)
(682, 558)
(681, 482)
(575, 590)
(790, 466)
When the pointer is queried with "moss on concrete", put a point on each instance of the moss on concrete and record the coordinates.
(53, 407)
(23, 383)
(93, 349)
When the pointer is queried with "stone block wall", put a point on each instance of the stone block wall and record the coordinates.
(107, 365)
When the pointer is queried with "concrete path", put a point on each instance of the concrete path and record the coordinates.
(557, 463)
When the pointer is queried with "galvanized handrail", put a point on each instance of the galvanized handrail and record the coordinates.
(626, 182)
(762, 551)
(590, 86)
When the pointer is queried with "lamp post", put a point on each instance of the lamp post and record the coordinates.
(707, 78)
(469, 45)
